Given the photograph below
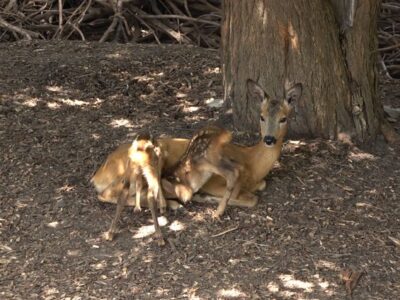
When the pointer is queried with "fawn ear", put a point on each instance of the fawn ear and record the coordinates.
(256, 91)
(293, 92)
(148, 146)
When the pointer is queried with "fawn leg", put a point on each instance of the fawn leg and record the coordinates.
(261, 185)
(161, 199)
(230, 171)
(120, 206)
(179, 191)
(158, 233)
(139, 186)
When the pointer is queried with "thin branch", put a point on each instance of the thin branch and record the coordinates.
(146, 16)
(26, 33)
(60, 14)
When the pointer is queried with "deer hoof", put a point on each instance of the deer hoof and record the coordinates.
(108, 236)
(161, 242)
(216, 216)
(261, 185)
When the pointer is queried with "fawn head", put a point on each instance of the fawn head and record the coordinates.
(142, 149)
(274, 110)
(143, 142)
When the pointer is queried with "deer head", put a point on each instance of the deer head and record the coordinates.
(274, 111)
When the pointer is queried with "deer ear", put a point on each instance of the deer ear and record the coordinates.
(256, 91)
(148, 146)
(293, 93)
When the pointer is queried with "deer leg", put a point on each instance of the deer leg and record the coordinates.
(151, 202)
(230, 171)
(139, 187)
(179, 191)
(261, 185)
(244, 199)
(120, 206)
(161, 200)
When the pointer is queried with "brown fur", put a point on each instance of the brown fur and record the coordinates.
(203, 158)
(255, 161)
(144, 161)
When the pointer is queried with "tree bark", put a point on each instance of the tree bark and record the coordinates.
(330, 47)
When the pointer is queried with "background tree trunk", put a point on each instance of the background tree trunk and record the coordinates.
(326, 46)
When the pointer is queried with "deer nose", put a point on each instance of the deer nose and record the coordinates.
(269, 140)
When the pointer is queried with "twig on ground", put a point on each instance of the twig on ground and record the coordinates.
(225, 231)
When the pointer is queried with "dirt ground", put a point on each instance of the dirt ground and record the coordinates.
(327, 208)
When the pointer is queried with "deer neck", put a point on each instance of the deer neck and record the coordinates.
(262, 158)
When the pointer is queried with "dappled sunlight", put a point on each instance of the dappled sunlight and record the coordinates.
(288, 286)
(360, 156)
(115, 55)
(53, 105)
(57, 89)
(30, 102)
(231, 293)
(177, 226)
(200, 217)
(193, 117)
(116, 123)
(144, 231)
(162, 291)
(72, 102)
(159, 74)
(149, 77)
(191, 109)
(273, 287)
(296, 143)
(53, 224)
(56, 99)
(288, 281)
(209, 70)
(147, 230)
(64, 97)
(50, 292)
(293, 145)
(101, 265)
(95, 136)
(324, 264)
(74, 253)
(143, 78)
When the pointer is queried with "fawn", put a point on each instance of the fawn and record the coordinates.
(144, 161)
(255, 161)
(203, 158)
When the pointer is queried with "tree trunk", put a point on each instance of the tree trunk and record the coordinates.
(328, 47)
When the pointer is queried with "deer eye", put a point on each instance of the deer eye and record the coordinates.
(283, 120)
(262, 119)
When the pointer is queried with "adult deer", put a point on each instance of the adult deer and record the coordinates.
(255, 161)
